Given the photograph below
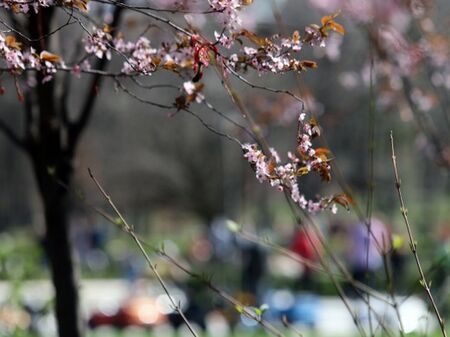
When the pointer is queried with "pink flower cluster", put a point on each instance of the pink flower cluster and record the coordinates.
(285, 176)
(228, 11)
(184, 54)
(23, 6)
(17, 61)
(271, 57)
(99, 42)
(141, 57)
(276, 54)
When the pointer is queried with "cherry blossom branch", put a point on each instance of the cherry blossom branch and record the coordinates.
(130, 230)
(412, 242)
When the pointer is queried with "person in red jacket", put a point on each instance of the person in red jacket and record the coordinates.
(306, 244)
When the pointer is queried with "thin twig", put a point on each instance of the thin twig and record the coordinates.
(212, 128)
(370, 178)
(290, 326)
(130, 230)
(149, 14)
(413, 242)
(391, 290)
(171, 10)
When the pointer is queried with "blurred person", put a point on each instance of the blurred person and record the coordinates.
(306, 244)
(365, 249)
(253, 260)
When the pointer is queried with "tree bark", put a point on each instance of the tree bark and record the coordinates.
(53, 172)
(61, 262)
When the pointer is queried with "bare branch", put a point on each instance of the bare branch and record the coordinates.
(122, 87)
(172, 10)
(412, 242)
(213, 129)
(257, 86)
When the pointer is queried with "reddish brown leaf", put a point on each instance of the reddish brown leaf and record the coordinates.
(46, 56)
(308, 64)
(12, 42)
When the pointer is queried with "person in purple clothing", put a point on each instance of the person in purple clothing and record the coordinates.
(366, 249)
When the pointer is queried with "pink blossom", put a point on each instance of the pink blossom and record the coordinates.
(141, 58)
(224, 40)
(189, 87)
(227, 11)
(98, 44)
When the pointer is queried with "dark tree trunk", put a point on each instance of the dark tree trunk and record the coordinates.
(53, 172)
(50, 140)
(56, 207)
(63, 276)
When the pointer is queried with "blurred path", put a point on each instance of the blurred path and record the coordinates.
(332, 319)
